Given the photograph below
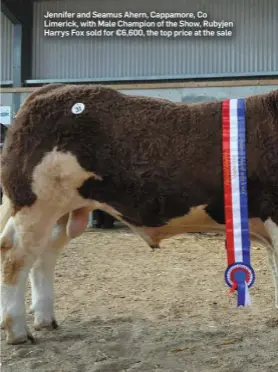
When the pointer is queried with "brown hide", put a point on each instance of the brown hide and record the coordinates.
(158, 160)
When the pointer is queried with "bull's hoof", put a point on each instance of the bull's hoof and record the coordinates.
(155, 247)
(21, 339)
(44, 324)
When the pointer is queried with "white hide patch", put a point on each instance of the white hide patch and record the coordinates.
(78, 108)
(57, 177)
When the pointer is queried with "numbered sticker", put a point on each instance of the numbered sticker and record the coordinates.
(77, 108)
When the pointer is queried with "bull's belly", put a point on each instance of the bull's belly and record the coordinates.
(198, 221)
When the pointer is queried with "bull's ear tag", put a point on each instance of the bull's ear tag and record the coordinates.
(77, 108)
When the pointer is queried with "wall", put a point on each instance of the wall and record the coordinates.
(6, 59)
(203, 94)
(177, 94)
(252, 50)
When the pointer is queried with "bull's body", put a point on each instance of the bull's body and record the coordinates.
(154, 164)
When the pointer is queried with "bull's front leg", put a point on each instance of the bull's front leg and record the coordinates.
(42, 278)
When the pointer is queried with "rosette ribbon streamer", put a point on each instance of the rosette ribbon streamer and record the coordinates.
(239, 274)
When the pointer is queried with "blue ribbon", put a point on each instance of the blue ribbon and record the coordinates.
(240, 278)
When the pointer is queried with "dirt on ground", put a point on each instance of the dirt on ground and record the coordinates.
(121, 307)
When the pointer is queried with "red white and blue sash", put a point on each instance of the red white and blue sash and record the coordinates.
(239, 274)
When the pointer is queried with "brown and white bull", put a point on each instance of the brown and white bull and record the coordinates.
(153, 164)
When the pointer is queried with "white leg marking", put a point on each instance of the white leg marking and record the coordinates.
(272, 250)
(42, 278)
(14, 273)
(13, 309)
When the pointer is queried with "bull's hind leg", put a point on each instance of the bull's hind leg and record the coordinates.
(272, 229)
(55, 181)
(22, 241)
(68, 227)
(42, 277)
